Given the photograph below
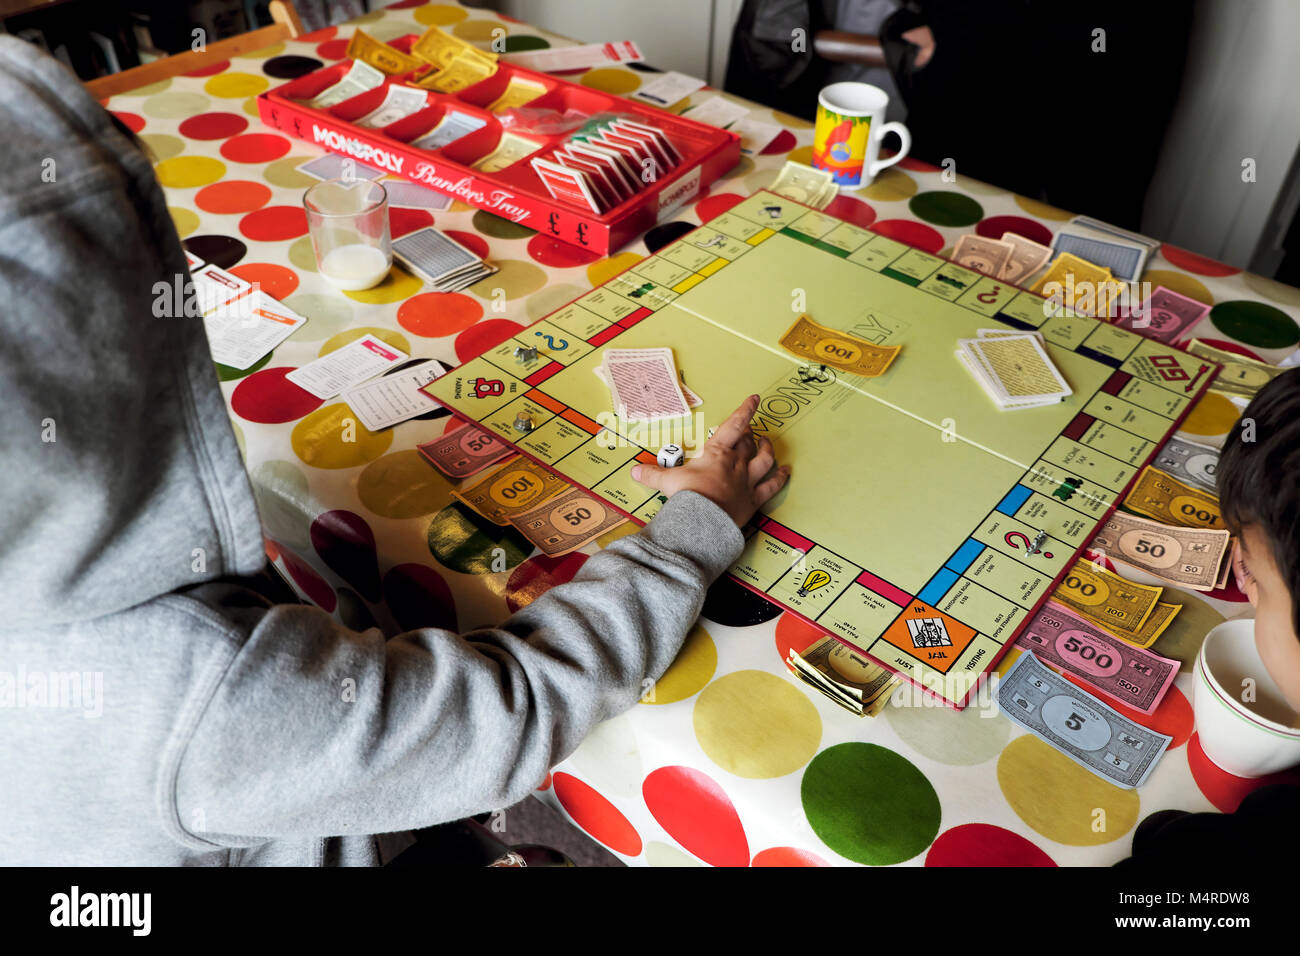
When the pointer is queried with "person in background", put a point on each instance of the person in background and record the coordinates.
(225, 729)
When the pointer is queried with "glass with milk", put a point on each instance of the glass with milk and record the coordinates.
(348, 221)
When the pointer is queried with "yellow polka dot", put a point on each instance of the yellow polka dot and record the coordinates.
(1060, 799)
(264, 53)
(439, 14)
(687, 675)
(396, 339)
(1179, 282)
(1041, 209)
(757, 725)
(479, 31)
(397, 285)
(892, 185)
(402, 485)
(1008, 661)
(185, 220)
(1212, 415)
(333, 437)
(458, 206)
(235, 85)
(800, 154)
(794, 122)
(610, 80)
(616, 532)
(600, 272)
(250, 106)
(184, 172)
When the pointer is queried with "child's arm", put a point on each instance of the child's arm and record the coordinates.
(318, 730)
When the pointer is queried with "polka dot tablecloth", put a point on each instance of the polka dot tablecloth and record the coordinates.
(731, 762)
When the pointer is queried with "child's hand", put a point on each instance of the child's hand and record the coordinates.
(732, 471)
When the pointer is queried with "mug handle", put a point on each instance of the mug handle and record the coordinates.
(904, 135)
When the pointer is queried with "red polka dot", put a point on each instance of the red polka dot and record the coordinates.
(255, 148)
(305, 576)
(695, 812)
(471, 241)
(1097, 558)
(435, 314)
(477, 339)
(1225, 790)
(910, 232)
(1229, 592)
(787, 856)
(232, 196)
(546, 783)
(793, 633)
(538, 575)
(600, 818)
(213, 125)
(783, 143)
(130, 120)
(851, 210)
(714, 206)
(276, 281)
(418, 597)
(402, 221)
(318, 36)
(1173, 717)
(272, 549)
(274, 223)
(211, 69)
(270, 399)
(1192, 262)
(332, 50)
(994, 226)
(1234, 347)
(982, 844)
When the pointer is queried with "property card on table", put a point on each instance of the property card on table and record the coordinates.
(242, 331)
(394, 398)
(354, 363)
(717, 112)
(576, 57)
(668, 88)
(214, 287)
(569, 185)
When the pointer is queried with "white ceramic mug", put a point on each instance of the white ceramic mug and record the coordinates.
(850, 125)
(1248, 738)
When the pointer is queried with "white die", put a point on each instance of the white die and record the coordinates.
(670, 456)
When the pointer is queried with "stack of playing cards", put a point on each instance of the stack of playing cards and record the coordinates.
(440, 261)
(1014, 368)
(1123, 253)
(645, 384)
(606, 162)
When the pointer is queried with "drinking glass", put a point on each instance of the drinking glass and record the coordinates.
(348, 222)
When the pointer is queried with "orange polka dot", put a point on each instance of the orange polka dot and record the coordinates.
(793, 633)
(276, 281)
(601, 819)
(435, 314)
(232, 196)
(787, 856)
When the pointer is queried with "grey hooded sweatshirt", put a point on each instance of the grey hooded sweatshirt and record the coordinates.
(154, 710)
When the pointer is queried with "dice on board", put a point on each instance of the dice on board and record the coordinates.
(670, 456)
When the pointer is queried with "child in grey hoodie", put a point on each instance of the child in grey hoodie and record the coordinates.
(214, 727)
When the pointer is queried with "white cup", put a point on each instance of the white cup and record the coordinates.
(1247, 738)
(850, 126)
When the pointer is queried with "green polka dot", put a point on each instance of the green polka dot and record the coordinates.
(1255, 323)
(946, 208)
(161, 146)
(149, 89)
(352, 610)
(302, 255)
(1185, 634)
(517, 43)
(961, 739)
(402, 485)
(869, 805)
(227, 374)
(463, 541)
(174, 105)
(514, 277)
(284, 172)
(327, 315)
(239, 440)
(499, 228)
(284, 503)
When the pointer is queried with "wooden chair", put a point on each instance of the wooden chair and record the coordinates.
(839, 46)
(285, 25)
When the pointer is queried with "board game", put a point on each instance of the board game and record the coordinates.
(908, 526)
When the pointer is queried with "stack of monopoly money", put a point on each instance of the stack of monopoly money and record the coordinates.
(566, 521)
(456, 64)
(1083, 286)
(1241, 376)
(381, 56)
(359, 78)
(463, 452)
(804, 184)
(1189, 462)
(1079, 725)
(1130, 611)
(1165, 316)
(850, 680)
(1013, 258)
(844, 351)
(511, 488)
(1134, 676)
(1164, 498)
(1195, 558)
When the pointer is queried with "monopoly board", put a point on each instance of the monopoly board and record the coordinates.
(907, 526)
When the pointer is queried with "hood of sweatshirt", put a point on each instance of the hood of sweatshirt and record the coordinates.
(121, 479)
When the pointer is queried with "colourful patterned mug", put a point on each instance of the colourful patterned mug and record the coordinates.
(850, 126)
